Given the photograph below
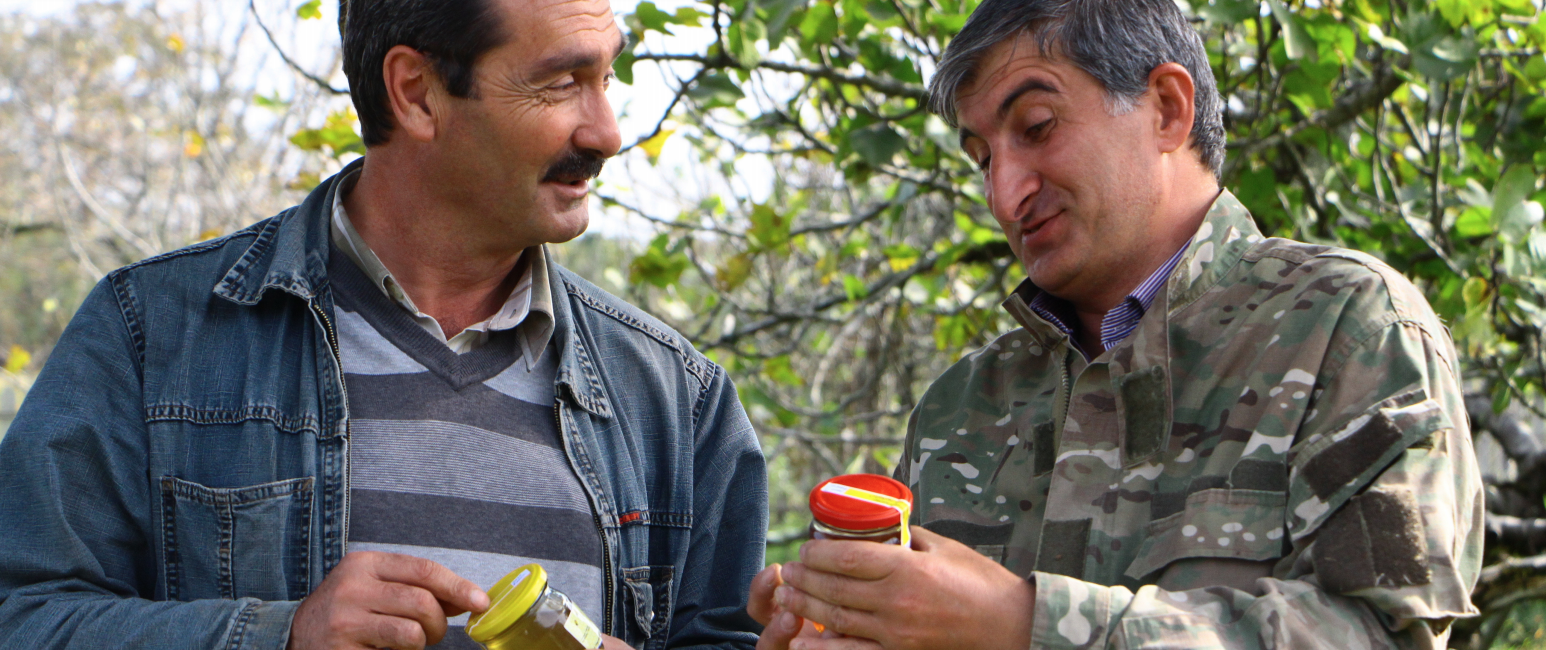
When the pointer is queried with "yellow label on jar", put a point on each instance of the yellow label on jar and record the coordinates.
(902, 507)
(582, 629)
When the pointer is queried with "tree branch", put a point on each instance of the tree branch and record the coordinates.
(1361, 98)
(321, 83)
(887, 86)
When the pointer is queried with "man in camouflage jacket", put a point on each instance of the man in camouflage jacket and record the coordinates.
(1199, 437)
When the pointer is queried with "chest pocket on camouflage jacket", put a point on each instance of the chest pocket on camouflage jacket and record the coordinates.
(1218, 523)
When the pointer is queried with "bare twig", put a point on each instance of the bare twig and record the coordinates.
(319, 81)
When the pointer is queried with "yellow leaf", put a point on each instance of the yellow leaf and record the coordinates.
(209, 234)
(175, 43)
(50, 305)
(653, 145)
(195, 145)
(18, 359)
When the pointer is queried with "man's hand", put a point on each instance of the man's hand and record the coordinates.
(779, 627)
(383, 600)
(940, 594)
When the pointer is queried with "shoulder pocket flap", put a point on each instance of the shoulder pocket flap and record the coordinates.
(1217, 522)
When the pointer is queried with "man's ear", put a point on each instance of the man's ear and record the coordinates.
(1171, 91)
(410, 80)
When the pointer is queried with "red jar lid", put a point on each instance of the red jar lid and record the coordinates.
(847, 513)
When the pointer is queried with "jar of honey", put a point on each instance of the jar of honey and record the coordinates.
(865, 507)
(526, 613)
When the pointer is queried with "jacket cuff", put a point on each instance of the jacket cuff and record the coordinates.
(1072, 613)
(261, 625)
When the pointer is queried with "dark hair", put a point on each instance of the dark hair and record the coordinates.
(1118, 42)
(452, 34)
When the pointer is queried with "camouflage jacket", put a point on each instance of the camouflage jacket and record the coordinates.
(1277, 457)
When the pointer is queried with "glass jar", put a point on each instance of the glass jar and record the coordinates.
(863, 507)
(525, 613)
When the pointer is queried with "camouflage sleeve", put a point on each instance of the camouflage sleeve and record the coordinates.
(1384, 521)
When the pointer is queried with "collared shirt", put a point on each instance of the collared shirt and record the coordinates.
(1118, 323)
(531, 297)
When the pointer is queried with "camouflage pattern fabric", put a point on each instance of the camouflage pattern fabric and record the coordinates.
(1278, 457)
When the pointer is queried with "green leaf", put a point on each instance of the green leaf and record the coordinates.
(1296, 41)
(623, 65)
(820, 24)
(651, 17)
(660, 264)
(1501, 396)
(1228, 12)
(854, 287)
(715, 89)
(309, 10)
(769, 228)
(779, 370)
(877, 144)
(1475, 291)
(1446, 58)
(778, 21)
(741, 40)
(270, 102)
(1511, 212)
(1474, 222)
(336, 137)
(734, 272)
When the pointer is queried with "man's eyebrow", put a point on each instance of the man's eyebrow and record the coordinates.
(574, 60)
(1033, 84)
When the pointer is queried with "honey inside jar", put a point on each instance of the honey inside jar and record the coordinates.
(526, 613)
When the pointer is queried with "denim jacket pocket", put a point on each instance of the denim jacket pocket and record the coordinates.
(647, 594)
(247, 542)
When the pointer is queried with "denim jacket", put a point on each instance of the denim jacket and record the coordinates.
(178, 476)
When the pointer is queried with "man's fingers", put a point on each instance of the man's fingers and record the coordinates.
(413, 603)
(392, 632)
(838, 619)
(452, 589)
(760, 603)
(833, 588)
(779, 632)
(863, 560)
(833, 643)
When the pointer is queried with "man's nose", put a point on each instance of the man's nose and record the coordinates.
(598, 130)
(1011, 183)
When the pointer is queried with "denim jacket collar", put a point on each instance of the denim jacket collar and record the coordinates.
(290, 253)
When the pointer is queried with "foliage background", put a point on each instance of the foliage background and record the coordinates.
(811, 227)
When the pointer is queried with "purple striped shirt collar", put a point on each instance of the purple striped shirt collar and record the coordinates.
(1118, 323)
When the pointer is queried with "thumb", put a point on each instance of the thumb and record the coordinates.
(759, 603)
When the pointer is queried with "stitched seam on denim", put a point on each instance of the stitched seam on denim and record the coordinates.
(693, 366)
(286, 489)
(225, 580)
(194, 249)
(659, 518)
(272, 415)
(128, 309)
(172, 570)
(239, 627)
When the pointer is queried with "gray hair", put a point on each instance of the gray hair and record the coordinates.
(1118, 42)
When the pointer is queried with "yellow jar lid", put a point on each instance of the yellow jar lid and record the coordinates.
(509, 600)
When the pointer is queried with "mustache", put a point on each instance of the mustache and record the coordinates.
(573, 166)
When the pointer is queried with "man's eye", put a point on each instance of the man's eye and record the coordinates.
(1038, 129)
(982, 165)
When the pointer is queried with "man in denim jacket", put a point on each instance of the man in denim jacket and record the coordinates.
(332, 428)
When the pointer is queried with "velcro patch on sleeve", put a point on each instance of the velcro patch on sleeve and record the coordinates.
(1376, 540)
(1344, 461)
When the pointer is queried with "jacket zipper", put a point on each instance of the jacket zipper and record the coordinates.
(595, 513)
(343, 389)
